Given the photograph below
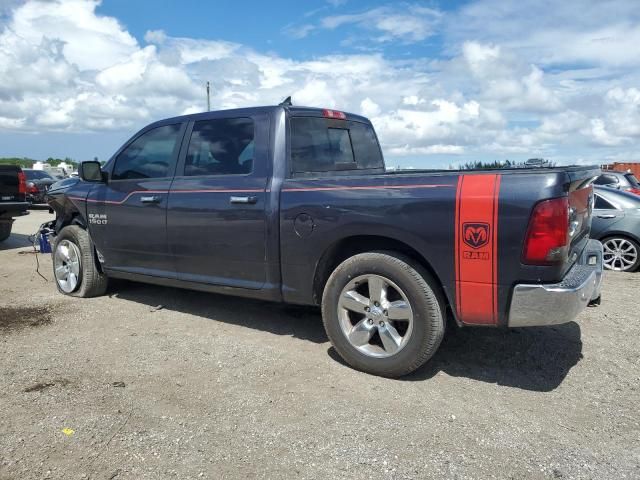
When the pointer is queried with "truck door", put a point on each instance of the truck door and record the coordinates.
(127, 215)
(216, 214)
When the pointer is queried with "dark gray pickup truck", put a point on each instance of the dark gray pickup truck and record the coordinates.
(293, 204)
(13, 191)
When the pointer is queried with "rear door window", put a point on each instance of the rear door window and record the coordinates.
(602, 204)
(324, 145)
(223, 146)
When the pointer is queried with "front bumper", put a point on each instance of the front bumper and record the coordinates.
(536, 305)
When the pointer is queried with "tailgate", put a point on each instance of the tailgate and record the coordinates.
(9, 186)
(580, 191)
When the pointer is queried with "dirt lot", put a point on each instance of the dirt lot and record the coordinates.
(151, 382)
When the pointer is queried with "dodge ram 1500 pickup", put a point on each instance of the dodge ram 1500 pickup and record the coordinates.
(13, 191)
(293, 204)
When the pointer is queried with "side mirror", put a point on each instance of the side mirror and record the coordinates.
(90, 172)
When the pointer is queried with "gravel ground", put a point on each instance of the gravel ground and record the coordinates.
(152, 382)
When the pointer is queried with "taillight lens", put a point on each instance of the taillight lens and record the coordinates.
(32, 188)
(22, 183)
(547, 235)
(634, 190)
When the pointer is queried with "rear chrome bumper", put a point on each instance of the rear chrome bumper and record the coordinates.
(536, 305)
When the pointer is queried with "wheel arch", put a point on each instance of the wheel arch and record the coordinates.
(75, 217)
(349, 246)
(623, 234)
(70, 217)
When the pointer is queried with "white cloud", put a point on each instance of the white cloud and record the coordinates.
(369, 108)
(405, 150)
(548, 32)
(411, 23)
(91, 42)
(498, 92)
(299, 31)
(504, 80)
(620, 123)
(601, 136)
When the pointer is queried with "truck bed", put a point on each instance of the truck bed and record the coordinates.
(425, 210)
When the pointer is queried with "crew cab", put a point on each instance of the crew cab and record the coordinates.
(13, 191)
(294, 204)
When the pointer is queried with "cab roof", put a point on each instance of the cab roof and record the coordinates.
(291, 110)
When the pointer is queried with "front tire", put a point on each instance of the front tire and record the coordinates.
(382, 314)
(75, 268)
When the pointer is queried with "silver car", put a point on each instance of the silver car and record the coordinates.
(616, 223)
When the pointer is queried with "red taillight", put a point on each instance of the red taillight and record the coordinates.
(634, 190)
(547, 235)
(334, 114)
(22, 183)
(32, 188)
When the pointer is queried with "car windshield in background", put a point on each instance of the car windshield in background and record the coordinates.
(37, 175)
(323, 145)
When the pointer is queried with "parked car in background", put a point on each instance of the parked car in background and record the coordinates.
(57, 173)
(38, 183)
(13, 189)
(616, 223)
(626, 181)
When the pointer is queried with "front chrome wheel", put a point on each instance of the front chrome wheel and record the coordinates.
(619, 254)
(375, 316)
(66, 265)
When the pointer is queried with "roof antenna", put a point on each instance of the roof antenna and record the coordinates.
(286, 102)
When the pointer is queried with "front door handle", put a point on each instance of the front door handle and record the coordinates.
(606, 215)
(245, 200)
(151, 199)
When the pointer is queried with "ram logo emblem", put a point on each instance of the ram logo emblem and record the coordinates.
(476, 235)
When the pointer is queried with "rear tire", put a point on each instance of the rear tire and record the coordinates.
(75, 267)
(5, 230)
(383, 314)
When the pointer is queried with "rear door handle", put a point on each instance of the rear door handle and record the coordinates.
(151, 199)
(606, 215)
(245, 200)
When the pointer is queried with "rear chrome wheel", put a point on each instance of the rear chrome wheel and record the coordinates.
(383, 313)
(67, 265)
(375, 315)
(620, 254)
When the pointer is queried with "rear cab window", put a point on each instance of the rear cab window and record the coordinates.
(323, 145)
